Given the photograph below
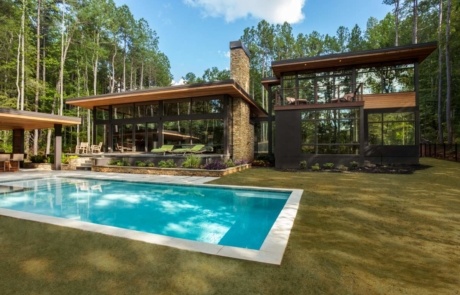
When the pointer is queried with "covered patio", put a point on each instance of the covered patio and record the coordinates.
(20, 121)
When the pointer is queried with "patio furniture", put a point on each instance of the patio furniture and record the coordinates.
(123, 148)
(166, 148)
(5, 162)
(15, 160)
(196, 149)
(96, 148)
(82, 148)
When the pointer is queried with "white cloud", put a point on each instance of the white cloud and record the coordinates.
(180, 82)
(273, 11)
(225, 54)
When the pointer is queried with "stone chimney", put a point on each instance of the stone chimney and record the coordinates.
(239, 64)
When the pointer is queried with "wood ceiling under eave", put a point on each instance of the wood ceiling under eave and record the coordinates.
(169, 93)
(394, 55)
(11, 119)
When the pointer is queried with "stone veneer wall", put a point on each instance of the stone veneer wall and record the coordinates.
(242, 130)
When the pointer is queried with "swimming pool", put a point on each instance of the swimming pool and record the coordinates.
(230, 218)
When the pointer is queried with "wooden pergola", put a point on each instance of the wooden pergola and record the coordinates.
(20, 121)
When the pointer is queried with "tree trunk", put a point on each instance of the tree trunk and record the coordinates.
(124, 68)
(448, 76)
(37, 75)
(440, 133)
(18, 72)
(23, 58)
(113, 81)
(414, 24)
(141, 82)
(396, 22)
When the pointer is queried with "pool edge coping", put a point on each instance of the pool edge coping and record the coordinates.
(271, 251)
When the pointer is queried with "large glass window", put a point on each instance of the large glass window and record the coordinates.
(123, 111)
(150, 109)
(207, 106)
(391, 128)
(102, 113)
(331, 131)
(176, 108)
(388, 79)
(145, 136)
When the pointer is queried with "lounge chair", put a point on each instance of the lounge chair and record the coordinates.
(349, 97)
(166, 148)
(196, 149)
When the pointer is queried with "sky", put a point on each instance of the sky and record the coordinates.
(195, 34)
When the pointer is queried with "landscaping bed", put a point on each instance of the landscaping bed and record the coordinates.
(170, 171)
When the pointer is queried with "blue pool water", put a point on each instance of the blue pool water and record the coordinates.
(223, 216)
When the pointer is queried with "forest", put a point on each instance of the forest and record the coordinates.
(57, 49)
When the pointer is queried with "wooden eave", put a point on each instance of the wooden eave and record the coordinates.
(11, 119)
(381, 57)
(229, 87)
(270, 81)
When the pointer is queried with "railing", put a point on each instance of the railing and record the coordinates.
(319, 95)
(440, 151)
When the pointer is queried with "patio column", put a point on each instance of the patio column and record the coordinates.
(57, 146)
(18, 141)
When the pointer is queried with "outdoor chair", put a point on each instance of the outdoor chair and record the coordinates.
(82, 148)
(166, 148)
(96, 148)
(5, 162)
(123, 148)
(196, 149)
(15, 160)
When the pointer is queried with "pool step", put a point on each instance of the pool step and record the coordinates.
(86, 166)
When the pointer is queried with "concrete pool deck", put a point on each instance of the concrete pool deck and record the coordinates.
(272, 249)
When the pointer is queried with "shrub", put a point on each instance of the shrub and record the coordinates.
(122, 163)
(303, 165)
(260, 163)
(192, 161)
(269, 159)
(141, 164)
(150, 164)
(240, 162)
(167, 164)
(113, 162)
(342, 168)
(316, 167)
(38, 159)
(65, 159)
(354, 165)
(215, 165)
(229, 163)
(328, 165)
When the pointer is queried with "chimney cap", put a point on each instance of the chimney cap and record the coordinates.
(239, 44)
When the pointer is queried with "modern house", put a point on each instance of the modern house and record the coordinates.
(339, 108)
(219, 115)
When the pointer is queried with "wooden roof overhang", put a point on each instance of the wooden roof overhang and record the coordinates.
(380, 57)
(11, 119)
(270, 81)
(228, 87)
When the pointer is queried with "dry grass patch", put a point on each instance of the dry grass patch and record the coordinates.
(355, 233)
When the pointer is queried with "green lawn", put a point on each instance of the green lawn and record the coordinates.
(354, 234)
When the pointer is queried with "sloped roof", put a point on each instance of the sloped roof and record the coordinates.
(379, 57)
(228, 87)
